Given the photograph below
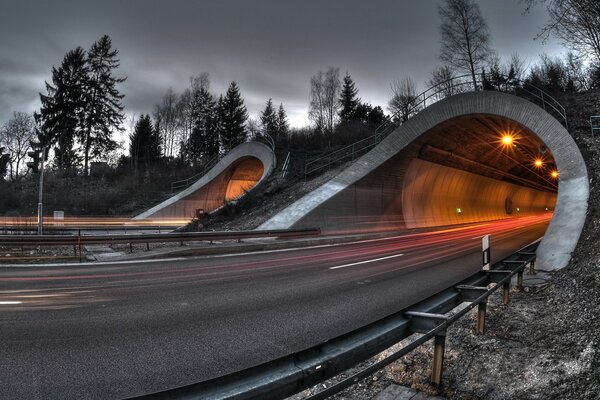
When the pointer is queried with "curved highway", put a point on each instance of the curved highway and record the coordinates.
(113, 330)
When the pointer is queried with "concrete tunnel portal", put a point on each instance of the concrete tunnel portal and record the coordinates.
(452, 164)
(240, 171)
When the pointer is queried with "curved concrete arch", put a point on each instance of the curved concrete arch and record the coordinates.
(242, 170)
(571, 200)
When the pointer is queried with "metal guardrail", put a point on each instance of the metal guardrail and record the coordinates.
(299, 371)
(286, 165)
(459, 84)
(185, 183)
(79, 240)
(76, 228)
(594, 124)
(266, 139)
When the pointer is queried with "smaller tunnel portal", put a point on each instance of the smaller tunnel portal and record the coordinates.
(240, 171)
(232, 183)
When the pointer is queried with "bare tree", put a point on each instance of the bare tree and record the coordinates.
(578, 79)
(576, 23)
(166, 113)
(464, 35)
(404, 102)
(324, 92)
(15, 137)
(186, 107)
(517, 66)
(444, 80)
(254, 126)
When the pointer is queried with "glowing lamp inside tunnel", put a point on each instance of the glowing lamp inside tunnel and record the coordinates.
(507, 139)
(554, 174)
(538, 163)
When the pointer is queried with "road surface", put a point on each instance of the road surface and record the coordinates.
(112, 330)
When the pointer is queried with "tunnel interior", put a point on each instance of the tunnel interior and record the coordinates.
(472, 168)
(232, 183)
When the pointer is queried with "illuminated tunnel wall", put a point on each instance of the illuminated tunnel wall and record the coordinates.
(369, 195)
(435, 195)
(240, 171)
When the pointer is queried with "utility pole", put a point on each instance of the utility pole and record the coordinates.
(37, 166)
(40, 195)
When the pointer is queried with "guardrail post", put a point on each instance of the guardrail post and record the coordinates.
(147, 246)
(532, 267)
(505, 292)
(481, 311)
(79, 243)
(439, 347)
(130, 247)
(422, 322)
(543, 101)
(520, 278)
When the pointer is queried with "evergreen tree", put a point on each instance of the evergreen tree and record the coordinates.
(62, 110)
(4, 160)
(376, 116)
(233, 116)
(283, 128)
(104, 112)
(348, 100)
(203, 143)
(268, 119)
(144, 144)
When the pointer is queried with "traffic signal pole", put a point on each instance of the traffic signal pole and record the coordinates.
(40, 198)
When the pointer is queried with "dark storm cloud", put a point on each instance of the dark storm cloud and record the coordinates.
(271, 48)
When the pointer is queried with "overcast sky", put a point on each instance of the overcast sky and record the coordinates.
(270, 47)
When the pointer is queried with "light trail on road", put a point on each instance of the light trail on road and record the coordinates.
(75, 221)
(112, 330)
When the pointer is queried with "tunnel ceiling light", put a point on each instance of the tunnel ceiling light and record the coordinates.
(538, 163)
(554, 174)
(507, 139)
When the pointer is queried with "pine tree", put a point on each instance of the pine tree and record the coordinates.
(283, 128)
(62, 111)
(203, 143)
(233, 116)
(348, 100)
(144, 144)
(268, 119)
(104, 112)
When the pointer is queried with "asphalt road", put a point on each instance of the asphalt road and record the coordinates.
(112, 330)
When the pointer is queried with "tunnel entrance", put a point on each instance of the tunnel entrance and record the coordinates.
(476, 168)
(244, 177)
(238, 172)
(232, 183)
(495, 150)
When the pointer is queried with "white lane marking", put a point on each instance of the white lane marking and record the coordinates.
(9, 303)
(367, 261)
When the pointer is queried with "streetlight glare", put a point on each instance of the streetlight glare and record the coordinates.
(538, 163)
(554, 174)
